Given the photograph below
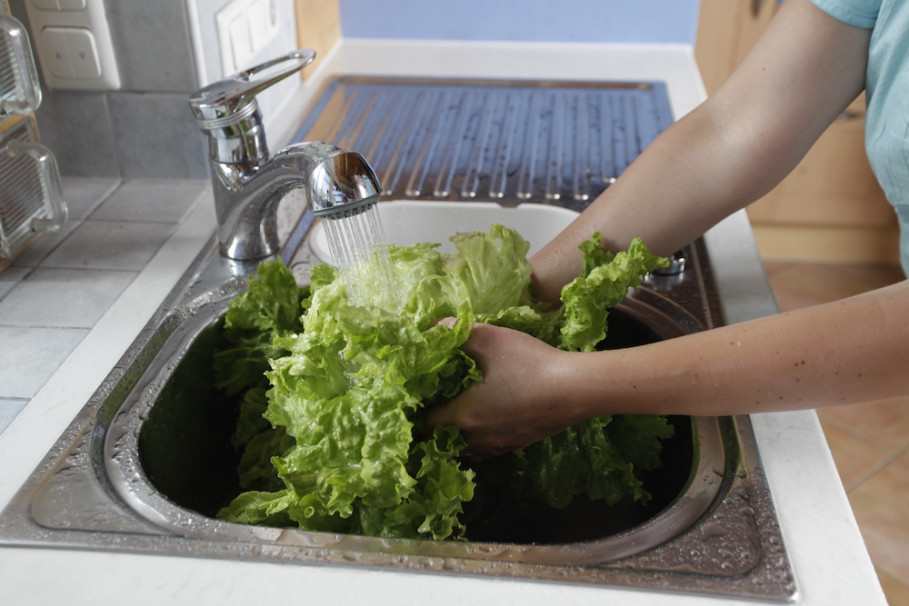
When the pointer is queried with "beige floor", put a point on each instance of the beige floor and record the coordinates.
(870, 442)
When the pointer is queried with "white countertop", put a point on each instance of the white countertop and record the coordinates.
(830, 561)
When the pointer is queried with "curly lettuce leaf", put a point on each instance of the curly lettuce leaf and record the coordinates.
(349, 385)
(269, 307)
(604, 282)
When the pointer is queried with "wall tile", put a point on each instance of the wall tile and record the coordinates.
(83, 195)
(145, 129)
(152, 44)
(9, 277)
(157, 136)
(76, 127)
(42, 246)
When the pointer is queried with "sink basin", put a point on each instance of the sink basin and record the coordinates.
(147, 463)
(176, 433)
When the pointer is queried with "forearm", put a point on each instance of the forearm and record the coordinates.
(729, 151)
(666, 212)
(839, 353)
(844, 352)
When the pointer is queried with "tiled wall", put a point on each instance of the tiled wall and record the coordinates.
(524, 20)
(145, 129)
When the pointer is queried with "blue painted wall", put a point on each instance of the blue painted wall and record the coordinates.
(665, 21)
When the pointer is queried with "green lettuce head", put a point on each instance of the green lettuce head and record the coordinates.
(336, 446)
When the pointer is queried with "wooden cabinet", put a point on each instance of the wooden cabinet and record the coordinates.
(318, 28)
(830, 207)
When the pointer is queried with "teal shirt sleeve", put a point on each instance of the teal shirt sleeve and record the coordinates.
(860, 13)
(887, 94)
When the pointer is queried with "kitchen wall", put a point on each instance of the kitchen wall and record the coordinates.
(523, 20)
(166, 49)
(144, 128)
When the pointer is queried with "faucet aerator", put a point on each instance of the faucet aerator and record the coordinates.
(248, 183)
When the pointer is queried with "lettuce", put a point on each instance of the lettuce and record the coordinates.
(335, 442)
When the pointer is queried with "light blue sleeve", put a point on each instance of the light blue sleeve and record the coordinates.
(860, 13)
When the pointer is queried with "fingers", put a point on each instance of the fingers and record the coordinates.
(448, 322)
(443, 414)
(462, 411)
(440, 415)
(479, 453)
(475, 343)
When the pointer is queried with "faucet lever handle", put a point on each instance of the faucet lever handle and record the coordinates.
(231, 100)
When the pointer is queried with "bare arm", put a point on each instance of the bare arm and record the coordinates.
(843, 352)
(805, 70)
(730, 150)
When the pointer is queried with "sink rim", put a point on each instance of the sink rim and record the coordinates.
(120, 454)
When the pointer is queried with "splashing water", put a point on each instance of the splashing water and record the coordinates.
(358, 247)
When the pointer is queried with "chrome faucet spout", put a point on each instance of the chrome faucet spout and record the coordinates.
(248, 183)
(334, 180)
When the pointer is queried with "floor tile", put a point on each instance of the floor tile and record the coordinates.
(30, 356)
(74, 298)
(869, 441)
(884, 422)
(897, 592)
(855, 457)
(880, 509)
(110, 245)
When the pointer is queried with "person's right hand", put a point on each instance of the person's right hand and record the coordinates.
(520, 399)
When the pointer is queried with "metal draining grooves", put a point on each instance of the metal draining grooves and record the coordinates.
(502, 141)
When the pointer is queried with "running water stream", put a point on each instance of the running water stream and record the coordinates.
(357, 244)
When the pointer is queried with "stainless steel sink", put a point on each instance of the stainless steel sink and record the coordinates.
(146, 464)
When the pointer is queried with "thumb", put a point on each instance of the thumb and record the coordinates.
(440, 415)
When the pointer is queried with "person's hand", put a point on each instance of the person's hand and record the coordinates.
(518, 402)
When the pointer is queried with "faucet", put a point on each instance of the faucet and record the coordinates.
(248, 183)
